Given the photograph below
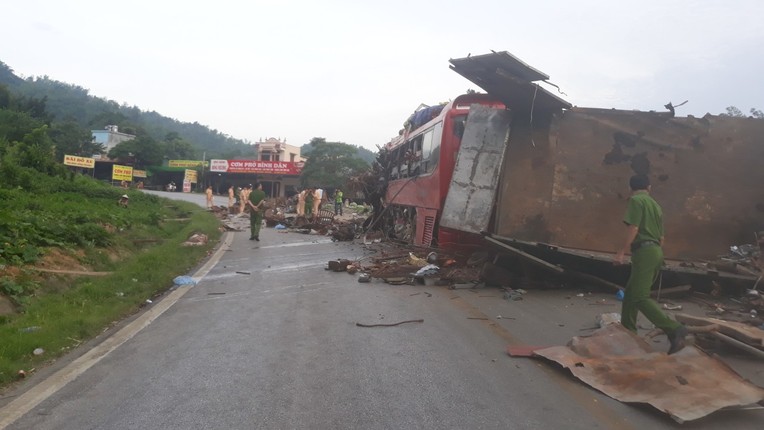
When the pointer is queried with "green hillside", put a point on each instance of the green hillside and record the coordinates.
(72, 104)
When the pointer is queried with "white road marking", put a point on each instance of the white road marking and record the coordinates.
(37, 394)
(285, 245)
(293, 267)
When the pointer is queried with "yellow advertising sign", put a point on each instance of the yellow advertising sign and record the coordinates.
(139, 174)
(121, 173)
(190, 176)
(74, 160)
(187, 163)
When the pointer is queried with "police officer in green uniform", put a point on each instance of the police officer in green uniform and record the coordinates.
(644, 225)
(338, 201)
(256, 204)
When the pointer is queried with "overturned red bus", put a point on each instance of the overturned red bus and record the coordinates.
(420, 168)
(521, 163)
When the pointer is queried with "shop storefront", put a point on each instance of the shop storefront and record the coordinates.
(279, 178)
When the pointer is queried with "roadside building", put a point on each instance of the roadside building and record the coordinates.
(279, 182)
(276, 165)
(109, 137)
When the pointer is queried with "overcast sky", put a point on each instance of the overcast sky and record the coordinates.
(353, 71)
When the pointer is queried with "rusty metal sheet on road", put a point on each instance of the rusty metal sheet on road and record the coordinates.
(470, 198)
(687, 385)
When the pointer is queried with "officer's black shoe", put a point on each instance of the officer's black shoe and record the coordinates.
(676, 339)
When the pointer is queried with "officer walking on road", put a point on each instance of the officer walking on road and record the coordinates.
(644, 237)
(256, 205)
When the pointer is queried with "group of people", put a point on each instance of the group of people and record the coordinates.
(309, 201)
(238, 197)
(241, 199)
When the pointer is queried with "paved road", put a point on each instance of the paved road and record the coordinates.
(279, 348)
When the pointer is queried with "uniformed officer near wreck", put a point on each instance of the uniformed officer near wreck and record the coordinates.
(256, 202)
(644, 238)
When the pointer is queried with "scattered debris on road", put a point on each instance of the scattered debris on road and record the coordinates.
(739, 335)
(389, 325)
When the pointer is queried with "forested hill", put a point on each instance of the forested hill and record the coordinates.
(72, 103)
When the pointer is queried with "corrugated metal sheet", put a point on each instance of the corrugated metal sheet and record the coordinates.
(687, 385)
(469, 203)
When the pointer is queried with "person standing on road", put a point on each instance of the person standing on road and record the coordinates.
(644, 237)
(256, 205)
(208, 192)
(244, 198)
(338, 201)
(318, 195)
(231, 199)
(301, 203)
(308, 202)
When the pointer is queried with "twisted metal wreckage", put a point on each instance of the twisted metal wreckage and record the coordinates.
(542, 183)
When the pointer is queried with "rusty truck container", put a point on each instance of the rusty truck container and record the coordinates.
(565, 172)
(566, 182)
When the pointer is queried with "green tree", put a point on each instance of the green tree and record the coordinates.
(175, 148)
(330, 164)
(5, 97)
(34, 151)
(72, 139)
(366, 155)
(733, 111)
(139, 152)
(14, 125)
(737, 113)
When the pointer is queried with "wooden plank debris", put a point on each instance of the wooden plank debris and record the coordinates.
(743, 332)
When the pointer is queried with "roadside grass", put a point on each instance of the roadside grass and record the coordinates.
(145, 255)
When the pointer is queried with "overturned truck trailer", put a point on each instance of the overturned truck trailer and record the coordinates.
(532, 170)
(566, 181)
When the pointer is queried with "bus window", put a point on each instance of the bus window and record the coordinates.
(430, 149)
(427, 144)
(414, 155)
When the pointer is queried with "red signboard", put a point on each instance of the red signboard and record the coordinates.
(255, 166)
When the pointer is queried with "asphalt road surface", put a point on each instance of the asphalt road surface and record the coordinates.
(276, 346)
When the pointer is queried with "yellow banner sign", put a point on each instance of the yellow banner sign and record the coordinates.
(121, 173)
(190, 176)
(73, 160)
(139, 174)
(187, 163)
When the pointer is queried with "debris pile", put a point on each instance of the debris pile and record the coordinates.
(742, 259)
(413, 267)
